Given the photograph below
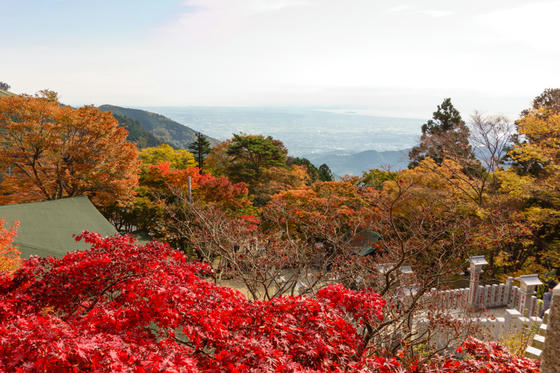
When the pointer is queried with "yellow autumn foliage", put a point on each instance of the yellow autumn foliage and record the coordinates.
(10, 259)
(178, 159)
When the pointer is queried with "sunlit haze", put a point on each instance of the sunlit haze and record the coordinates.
(395, 59)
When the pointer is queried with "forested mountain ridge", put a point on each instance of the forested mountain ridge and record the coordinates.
(169, 131)
(137, 133)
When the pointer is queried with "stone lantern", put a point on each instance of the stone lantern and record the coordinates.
(527, 285)
(384, 267)
(477, 262)
(408, 287)
(406, 270)
(406, 276)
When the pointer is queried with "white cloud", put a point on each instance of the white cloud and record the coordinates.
(399, 8)
(534, 24)
(377, 53)
(436, 13)
(243, 7)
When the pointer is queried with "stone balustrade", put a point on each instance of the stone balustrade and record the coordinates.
(522, 311)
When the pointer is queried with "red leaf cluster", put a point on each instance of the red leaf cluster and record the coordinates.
(483, 357)
(143, 308)
(121, 307)
(211, 189)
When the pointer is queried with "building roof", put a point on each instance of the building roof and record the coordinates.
(47, 228)
(529, 280)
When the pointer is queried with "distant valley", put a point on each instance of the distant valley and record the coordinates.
(356, 163)
(348, 142)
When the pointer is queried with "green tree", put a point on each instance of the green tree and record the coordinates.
(200, 148)
(444, 135)
(325, 173)
(376, 177)
(251, 153)
(4, 86)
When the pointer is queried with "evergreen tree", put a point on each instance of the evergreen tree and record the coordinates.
(4, 86)
(325, 173)
(200, 148)
(252, 153)
(446, 133)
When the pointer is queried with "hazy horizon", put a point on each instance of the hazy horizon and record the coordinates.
(304, 130)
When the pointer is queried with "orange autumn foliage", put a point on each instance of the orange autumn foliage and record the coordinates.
(330, 208)
(9, 255)
(50, 151)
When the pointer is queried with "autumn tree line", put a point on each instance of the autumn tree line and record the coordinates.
(281, 227)
(501, 176)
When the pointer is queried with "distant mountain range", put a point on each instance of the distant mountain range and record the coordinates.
(163, 129)
(357, 163)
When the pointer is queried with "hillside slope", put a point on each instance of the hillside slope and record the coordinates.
(169, 131)
(137, 133)
(5, 93)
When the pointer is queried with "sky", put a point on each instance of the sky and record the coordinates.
(393, 58)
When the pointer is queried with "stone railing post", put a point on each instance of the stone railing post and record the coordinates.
(507, 291)
(550, 357)
(527, 284)
(477, 262)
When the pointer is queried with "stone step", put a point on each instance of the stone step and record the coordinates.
(536, 320)
(538, 342)
(542, 329)
(545, 317)
(533, 353)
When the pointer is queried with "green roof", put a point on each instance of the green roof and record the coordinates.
(47, 228)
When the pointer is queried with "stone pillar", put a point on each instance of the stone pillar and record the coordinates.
(477, 262)
(527, 284)
(550, 357)
(507, 292)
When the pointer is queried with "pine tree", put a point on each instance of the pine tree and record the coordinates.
(445, 134)
(200, 148)
(325, 173)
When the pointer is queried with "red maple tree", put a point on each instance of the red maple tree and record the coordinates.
(125, 307)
